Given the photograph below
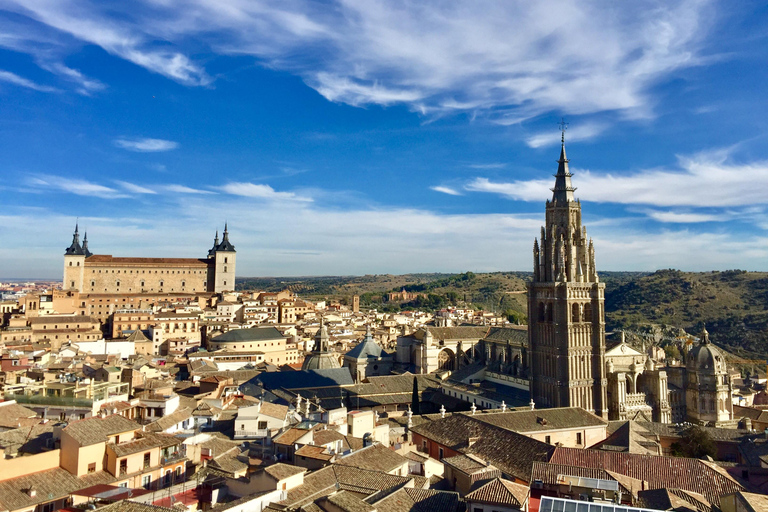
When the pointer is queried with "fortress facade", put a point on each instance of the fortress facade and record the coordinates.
(90, 273)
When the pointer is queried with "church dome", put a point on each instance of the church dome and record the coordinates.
(705, 357)
(320, 361)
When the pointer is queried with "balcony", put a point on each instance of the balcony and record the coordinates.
(172, 457)
(251, 434)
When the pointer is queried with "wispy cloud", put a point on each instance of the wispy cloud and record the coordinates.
(136, 189)
(685, 217)
(146, 145)
(509, 60)
(260, 191)
(86, 85)
(13, 78)
(707, 179)
(582, 131)
(446, 190)
(74, 186)
(183, 189)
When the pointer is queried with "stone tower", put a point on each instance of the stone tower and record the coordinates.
(566, 317)
(225, 257)
(74, 262)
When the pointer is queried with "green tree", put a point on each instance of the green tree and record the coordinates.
(695, 442)
(415, 402)
(672, 352)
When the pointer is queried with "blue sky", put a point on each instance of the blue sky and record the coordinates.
(382, 136)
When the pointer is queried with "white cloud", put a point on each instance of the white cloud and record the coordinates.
(13, 78)
(260, 191)
(582, 131)
(75, 186)
(311, 239)
(136, 189)
(510, 60)
(146, 145)
(183, 189)
(86, 85)
(685, 217)
(446, 190)
(704, 180)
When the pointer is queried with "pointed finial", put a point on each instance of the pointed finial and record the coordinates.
(563, 126)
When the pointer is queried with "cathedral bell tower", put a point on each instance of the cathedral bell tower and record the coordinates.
(566, 315)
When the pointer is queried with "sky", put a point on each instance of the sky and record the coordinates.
(382, 136)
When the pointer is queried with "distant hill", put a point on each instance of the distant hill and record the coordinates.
(733, 304)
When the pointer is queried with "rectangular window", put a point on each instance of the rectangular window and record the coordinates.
(146, 481)
(578, 437)
(548, 439)
(123, 466)
(440, 453)
(146, 460)
(92, 467)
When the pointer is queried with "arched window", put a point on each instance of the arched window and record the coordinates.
(542, 316)
(575, 313)
(549, 313)
(587, 313)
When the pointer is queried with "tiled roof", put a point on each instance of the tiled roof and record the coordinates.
(542, 419)
(48, 485)
(108, 259)
(168, 421)
(376, 457)
(13, 415)
(515, 335)
(420, 500)
(324, 482)
(500, 492)
(455, 333)
(146, 442)
(468, 464)
(348, 502)
(758, 502)
(250, 334)
(660, 472)
(314, 452)
(549, 473)
(673, 499)
(96, 430)
(290, 436)
(489, 442)
(282, 471)
(133, 506)
(28, 440)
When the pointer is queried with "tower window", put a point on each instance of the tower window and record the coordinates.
(225, 260)
(225, 268)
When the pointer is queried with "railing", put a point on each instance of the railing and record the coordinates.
(51, 400)
(174, 457)
(636, 400)
(240, 434)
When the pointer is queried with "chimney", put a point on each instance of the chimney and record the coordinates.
(32, 492)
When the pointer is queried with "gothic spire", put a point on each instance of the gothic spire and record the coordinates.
(225, 244)
(75, 249)
(563, 191)
(85, 245)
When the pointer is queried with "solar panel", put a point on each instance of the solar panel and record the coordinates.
(551, 504)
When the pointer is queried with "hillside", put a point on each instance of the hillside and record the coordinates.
(733, 304)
